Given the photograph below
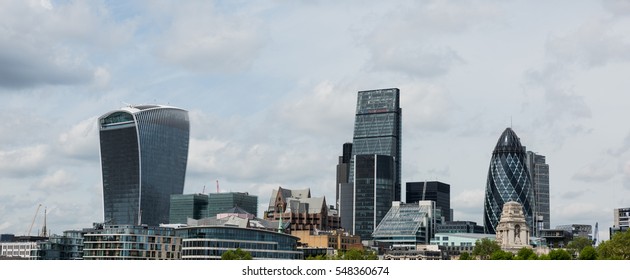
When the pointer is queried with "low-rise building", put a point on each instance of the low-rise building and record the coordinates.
(209, 238)
(302, 211)
(407, 225)
(335, 239)
(454, 244)
(420, 252)
(128, 242)
(555, 238)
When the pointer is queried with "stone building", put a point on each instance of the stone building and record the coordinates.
(512, 230)
(301, 210)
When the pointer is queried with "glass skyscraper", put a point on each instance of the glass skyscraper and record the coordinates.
(373, 192)
(377, 129)
(508, 180)
(144, 151)
(434, 191)
(539, 173)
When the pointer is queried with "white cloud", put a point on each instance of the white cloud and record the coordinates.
(592, 45)
(595, 172)
(44, 45)
(429, 109)
(58, 180)
(326, 109)
(26, 161)
(81, 141)
(201, 39)
(411, 39)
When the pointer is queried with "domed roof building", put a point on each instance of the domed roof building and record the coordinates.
(508, 180)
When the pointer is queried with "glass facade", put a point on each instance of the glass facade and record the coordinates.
(221, 202)
(539, 173)
(210, 242)
(184, 206)
(377, 129)
(508, 180)
(407, 224)
(373, 192)
(144, 151)
(126, 242)
(434, 191)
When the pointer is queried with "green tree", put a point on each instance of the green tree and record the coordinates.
(588, 253)
(465, 256)
(318, 257)
(356, 254)
(617, 248)
(560, 254)
(526, 254)
(237, 254)
(484, 248)
(501, 255)
(578, 244)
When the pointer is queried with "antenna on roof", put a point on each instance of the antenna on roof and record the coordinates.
(217, 186)
(126, 104)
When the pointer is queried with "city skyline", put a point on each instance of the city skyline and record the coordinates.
(271, 92)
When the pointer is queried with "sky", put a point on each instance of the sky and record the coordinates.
(271, 89)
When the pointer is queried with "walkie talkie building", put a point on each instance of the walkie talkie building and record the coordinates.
(144, 152)
(508, 180)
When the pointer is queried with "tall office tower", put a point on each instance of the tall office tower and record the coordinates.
(539, 173)
(433, 191)
(144, 150)
(508, 180)
(377, 129)
(184, 206)
(220, 202)
(343, 170)
(372, 193)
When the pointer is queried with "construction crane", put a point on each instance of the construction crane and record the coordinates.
(33, 222)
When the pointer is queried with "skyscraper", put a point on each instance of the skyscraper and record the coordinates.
(377, 129)
(433, 191)
(144, 151)
(373, 192)
(508, 180)
(221, 202)
(539, 173)
(184, 206)
(343, 170)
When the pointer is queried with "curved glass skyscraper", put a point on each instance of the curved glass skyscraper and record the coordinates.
(508, 180)
(144, 151)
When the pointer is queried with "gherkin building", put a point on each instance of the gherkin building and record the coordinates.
(508, 180)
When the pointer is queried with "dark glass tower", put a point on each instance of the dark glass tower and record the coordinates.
(373, 192)
(434, 191)
(144, 151)
(377, 129)
(539, 173)
(184, 206)
(343, 171)
(508, 180)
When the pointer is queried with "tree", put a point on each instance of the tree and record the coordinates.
(617, 248)
(237, 254)
(578, 244)
(588, 253)
(465, 256)
(356, 254)
(484, 248)
(526, 254)
(501, 255)
(318, 257)
(560, 254)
